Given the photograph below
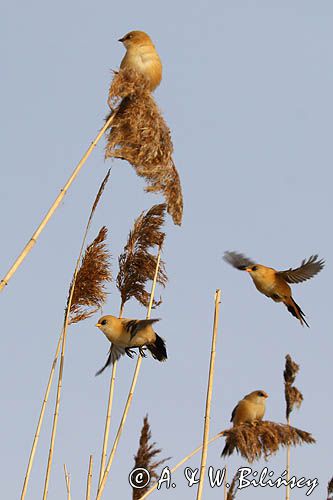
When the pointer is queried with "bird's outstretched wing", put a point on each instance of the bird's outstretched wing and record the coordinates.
(238, 260)
(115, 353)
(305, 271)
(133, 326)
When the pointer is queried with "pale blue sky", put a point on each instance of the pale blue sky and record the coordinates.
(247, 93)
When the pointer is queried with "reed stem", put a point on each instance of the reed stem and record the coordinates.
(209, 396)
(31, 243)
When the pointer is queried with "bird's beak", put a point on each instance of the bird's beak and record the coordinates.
(266, 395)
(121, 39)
(248, 270)
(98, 325)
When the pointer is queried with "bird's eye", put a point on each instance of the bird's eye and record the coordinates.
(103, 322)
(254, 268)
(129, 37)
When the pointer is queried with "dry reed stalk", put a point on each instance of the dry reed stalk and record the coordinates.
(183, 460)
(144, 458)
(140, 135)
(231, 495)
(262, 439)
(54, 206)
(293, 398)
(136, 266)
(40, 420)
(209, 396)
(225, 490)
(132, 388)
(89, 478)
(330, 489)
(68, 483)
(78, 306)
(107, 422)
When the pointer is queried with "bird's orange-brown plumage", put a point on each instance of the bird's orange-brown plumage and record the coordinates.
(142, 57)
(274, 284)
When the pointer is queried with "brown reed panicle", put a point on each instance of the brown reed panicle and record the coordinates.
(262, 439)
(140, 135)
(292, 395)
(231, 495)
(136, 264)
(144, 458)
(90, 286)
(330, 489)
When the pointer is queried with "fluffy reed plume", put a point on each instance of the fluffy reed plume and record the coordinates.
(136, 264)
(292, 395)
(140, 135)
(254, 440)
(90, 286)
(330, 490)
(145, 458)
(231, 495)
(61, 346)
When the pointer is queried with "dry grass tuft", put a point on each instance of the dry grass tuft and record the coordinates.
(262, 439)
(89, 292)
(136, 264)
(231, 495)
(144, 458)
(292, 395)
(330, 489)
(140, 135)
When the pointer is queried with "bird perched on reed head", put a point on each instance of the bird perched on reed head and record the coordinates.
(127, 334)
(274, 284)
(250, 409)
(142, 57)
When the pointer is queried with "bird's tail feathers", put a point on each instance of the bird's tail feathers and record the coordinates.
(158, 349)
(115, 353)
(296, 311)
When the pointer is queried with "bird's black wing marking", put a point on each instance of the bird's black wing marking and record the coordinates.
(238, 260)
(305, 271)
(233, 413)
(135, 325)
(115, 353)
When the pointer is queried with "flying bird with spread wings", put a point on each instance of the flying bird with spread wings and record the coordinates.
(274, 284)
(128, 334)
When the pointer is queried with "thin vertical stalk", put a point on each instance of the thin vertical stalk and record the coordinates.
(131, 391)
(209, 396)
(89, 477)
(68, 483)
(108, 412)
(225, 489)
(288, 467)
(62, 361)
(40, 420)
(56, 203)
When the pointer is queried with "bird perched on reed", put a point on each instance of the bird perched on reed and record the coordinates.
(250, 409)
(142, 57)
(274, 284)
(127, 334)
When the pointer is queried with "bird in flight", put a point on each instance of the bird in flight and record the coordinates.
(274, 284)
(142, 57)
(128, 334)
